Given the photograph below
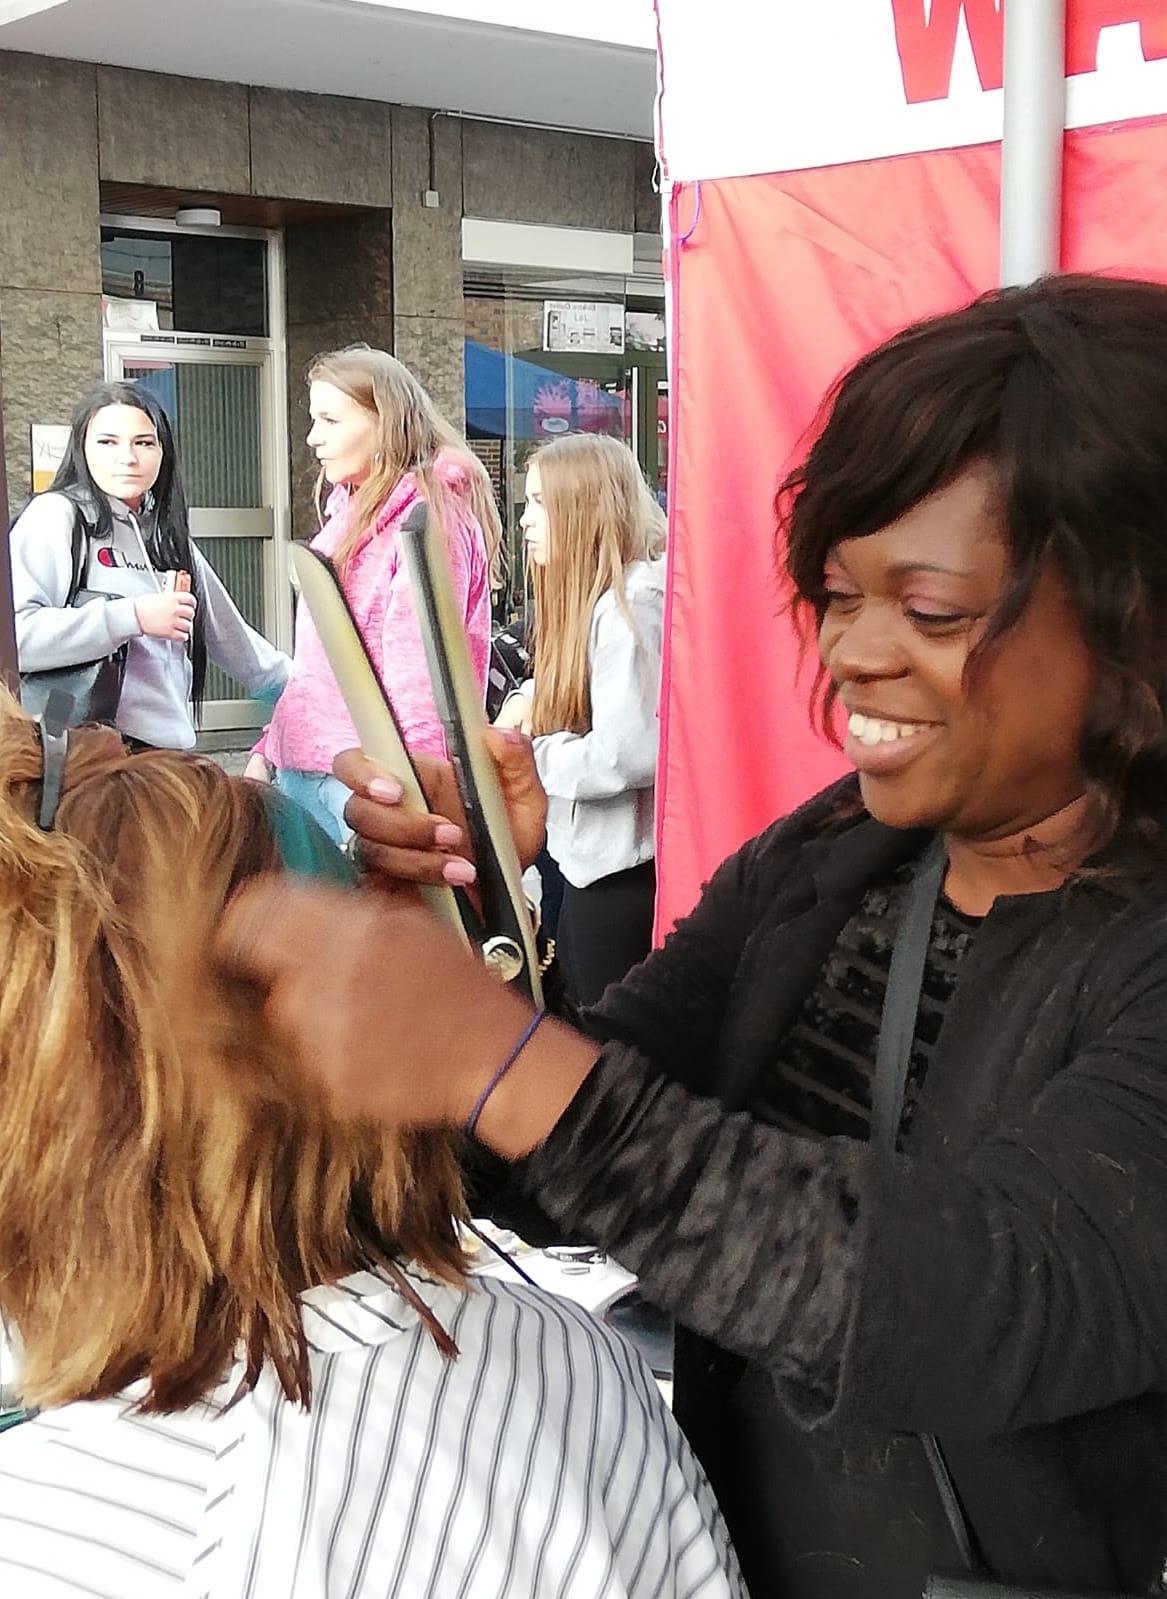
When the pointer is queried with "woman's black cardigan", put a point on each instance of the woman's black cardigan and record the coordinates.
(1005, 1288)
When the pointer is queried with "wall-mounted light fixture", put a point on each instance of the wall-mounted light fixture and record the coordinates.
(198, 216)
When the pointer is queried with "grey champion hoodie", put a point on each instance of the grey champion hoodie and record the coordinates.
(155, 704)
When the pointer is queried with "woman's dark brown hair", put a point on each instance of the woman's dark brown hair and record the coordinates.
(1059, 389)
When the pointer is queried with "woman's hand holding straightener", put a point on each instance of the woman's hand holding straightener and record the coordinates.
(401, 846)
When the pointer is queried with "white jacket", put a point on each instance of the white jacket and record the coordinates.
(601, 784)
(155, 703)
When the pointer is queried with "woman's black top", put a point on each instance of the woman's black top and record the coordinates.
(1005, 1287)
(822, 1078)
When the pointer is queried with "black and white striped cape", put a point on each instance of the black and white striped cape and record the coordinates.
(542, 1463)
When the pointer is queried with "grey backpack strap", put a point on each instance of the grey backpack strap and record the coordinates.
(897, 1023)
(897, 1031)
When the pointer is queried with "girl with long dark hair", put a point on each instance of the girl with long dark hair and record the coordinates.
(121, 485)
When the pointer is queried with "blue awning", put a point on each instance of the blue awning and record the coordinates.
(543, 403)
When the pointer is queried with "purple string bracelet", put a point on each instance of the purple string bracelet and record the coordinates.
(517, 1049)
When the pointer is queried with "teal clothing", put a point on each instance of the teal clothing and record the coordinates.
(305, 848)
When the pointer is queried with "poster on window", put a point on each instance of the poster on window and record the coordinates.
(129, 316)
(592, 326)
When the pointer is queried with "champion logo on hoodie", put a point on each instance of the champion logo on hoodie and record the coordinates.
(108, 556)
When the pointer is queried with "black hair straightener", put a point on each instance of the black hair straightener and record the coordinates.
(503, 932)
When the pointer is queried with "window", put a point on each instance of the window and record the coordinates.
(548, 354)
(200, 283)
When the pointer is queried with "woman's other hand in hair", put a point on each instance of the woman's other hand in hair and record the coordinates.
(516, 712)
(166, 615)
(406, 847)
(393, 1016)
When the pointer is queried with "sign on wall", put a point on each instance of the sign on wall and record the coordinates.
(595, 326)
(49, 443)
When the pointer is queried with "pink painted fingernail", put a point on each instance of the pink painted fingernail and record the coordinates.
(459, 873)
(386, 789)
(447, 836)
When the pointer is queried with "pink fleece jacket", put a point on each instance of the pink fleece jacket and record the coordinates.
(310, 725)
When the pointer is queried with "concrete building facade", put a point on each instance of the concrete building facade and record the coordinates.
(362, 202)
(343, 179)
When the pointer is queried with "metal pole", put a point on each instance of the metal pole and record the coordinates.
(1031, 149)
(8, 669)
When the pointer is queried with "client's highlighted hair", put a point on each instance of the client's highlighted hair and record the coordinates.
(167, 1188)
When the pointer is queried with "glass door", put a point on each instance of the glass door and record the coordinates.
(218, 393)
(528, 380)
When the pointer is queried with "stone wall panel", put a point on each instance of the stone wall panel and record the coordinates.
(320, 147)
(559, 179)
(178, 133)
(48, 179)
(50, 354)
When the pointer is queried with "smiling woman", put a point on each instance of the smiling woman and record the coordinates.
(936, 730)
(975, 551)
(911, 1222)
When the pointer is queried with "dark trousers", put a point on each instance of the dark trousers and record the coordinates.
(605, 930)
(550, 893)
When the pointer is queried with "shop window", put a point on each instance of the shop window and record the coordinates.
(199, 283)
(553, 356)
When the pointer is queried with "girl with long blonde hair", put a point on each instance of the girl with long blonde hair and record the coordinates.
(382, 446)
(245, 1323)
(594, 536)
